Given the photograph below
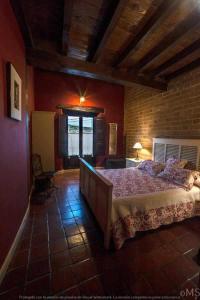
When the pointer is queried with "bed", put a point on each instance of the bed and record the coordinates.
(125, 201)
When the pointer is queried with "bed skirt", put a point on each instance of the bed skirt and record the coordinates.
(126, 227)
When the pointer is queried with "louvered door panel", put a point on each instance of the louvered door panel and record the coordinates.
(100, 136)
(159, 152)
(190, 153)
(188, 149)
(62, 135)
(172, 151)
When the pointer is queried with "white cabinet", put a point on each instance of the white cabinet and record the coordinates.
(43, 142)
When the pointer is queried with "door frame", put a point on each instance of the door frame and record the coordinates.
(75, 158)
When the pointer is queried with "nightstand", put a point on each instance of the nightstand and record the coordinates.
(132, 162)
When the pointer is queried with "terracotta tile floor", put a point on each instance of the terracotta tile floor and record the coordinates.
(61, 253)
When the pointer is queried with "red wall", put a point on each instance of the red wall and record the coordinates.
(14, 155)
(52, 89)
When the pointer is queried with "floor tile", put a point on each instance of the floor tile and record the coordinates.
(79, 253)
(24, 244)
(163, 256)
(38, 253)
(56, 235)
(66, 210)
(71, 292)
(142, 264)
(62, 280)
(186, 243)
(196, 280)
(38, 268)
(12, 294)
(161, 284)
(67, 215)
(180, 270)
(192, 255)
(104, 263)
(92, 287)
(38, 287)
(69, 222)
(13, 279)
(166, 235)
(114, 283)
(19, 260)
(148, 242)
(71, 230)
(84, 270)
(179, 229)
(75, 240)
(92, 236)
(79, 213)
(141, 287)
(40, 229)
(76, 207)
(39, 239)
(58, 245)
(60, 260)
(96, 249)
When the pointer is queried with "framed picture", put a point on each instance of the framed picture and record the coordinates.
(14, 93)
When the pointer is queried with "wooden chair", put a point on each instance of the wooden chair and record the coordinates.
(42, 180)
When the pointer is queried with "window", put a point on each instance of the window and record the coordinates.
(87, 136)
(80, 136)
(73, 136)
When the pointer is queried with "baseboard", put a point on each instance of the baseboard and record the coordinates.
(11, 252)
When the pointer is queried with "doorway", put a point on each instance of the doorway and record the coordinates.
(80, 137)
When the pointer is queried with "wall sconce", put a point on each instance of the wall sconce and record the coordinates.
(82, 99)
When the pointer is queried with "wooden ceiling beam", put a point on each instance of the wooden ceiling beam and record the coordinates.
(58, 63)
(193, 65)
(20, 15)
(164, 10)
(67, 16)
(176, 58)
(172, 38)
(108, 23)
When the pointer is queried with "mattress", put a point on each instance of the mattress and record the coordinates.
(141, 202)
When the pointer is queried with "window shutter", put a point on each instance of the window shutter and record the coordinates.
(62, 135)
(100, 136)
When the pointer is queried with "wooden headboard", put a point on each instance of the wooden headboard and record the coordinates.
(189, 149)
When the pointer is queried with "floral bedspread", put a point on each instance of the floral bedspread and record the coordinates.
(142, 202)
(132, 181)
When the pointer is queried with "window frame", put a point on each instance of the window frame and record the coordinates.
(81, 134)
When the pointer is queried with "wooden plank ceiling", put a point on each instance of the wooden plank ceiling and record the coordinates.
(124, 41)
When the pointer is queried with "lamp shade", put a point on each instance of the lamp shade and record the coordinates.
(137, 146)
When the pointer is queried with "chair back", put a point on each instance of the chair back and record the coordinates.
(37, 165)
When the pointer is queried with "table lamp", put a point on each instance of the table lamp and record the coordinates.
(137, 146)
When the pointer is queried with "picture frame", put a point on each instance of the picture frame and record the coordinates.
(14, 90)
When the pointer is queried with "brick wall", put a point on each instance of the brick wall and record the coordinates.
(150, 113)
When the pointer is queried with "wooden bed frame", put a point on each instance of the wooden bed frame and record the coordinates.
(98, 193)
(98, 190)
